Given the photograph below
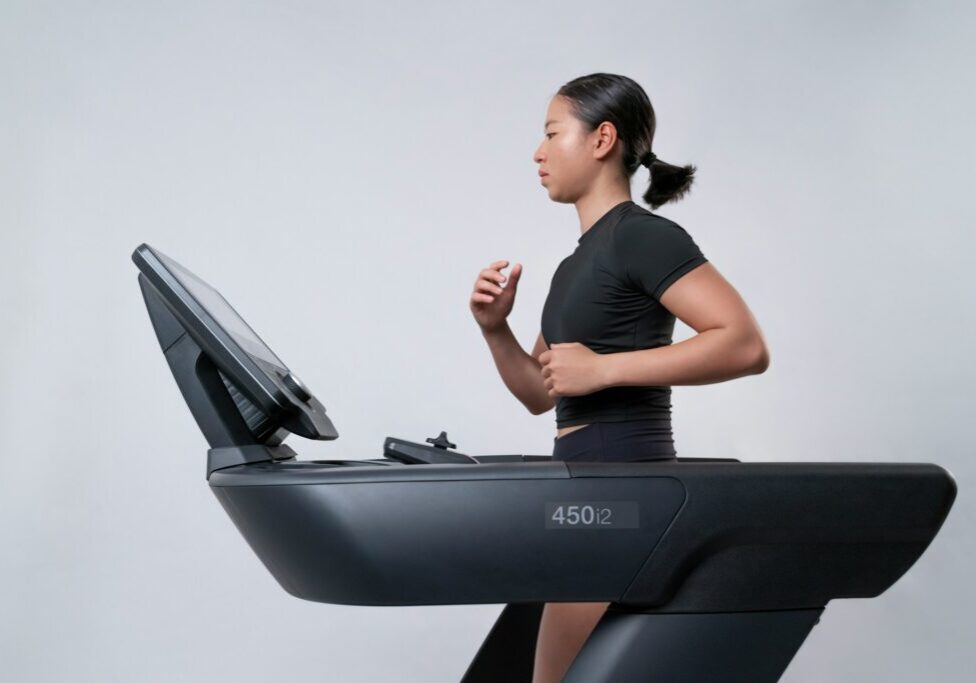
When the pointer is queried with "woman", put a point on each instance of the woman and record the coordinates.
(604, 357)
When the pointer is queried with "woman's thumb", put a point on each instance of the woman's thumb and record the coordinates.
(515, 274)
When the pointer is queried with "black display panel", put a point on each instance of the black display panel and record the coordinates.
(232, 375)
(222, 312)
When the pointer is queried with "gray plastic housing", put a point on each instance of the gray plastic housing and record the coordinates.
(710, 537)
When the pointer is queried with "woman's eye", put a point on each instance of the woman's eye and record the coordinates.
(548, 134)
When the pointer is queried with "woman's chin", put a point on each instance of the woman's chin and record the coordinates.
(558, 198)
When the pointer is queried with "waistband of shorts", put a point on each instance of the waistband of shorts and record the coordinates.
(664, 421)
(658, 426)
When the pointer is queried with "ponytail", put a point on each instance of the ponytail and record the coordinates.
(668, 183)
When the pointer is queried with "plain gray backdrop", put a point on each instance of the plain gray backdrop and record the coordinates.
(342, 171)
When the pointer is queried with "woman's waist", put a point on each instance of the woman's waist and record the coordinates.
(652, 408)
(649, 426)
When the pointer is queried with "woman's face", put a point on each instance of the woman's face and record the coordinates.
(566, 153)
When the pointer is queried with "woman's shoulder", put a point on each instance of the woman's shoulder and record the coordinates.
(641, 224)
(652, 251)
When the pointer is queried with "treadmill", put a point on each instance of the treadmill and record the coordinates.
(715, 569)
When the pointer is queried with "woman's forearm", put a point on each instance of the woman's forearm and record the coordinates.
(711, 356)
(520, 372)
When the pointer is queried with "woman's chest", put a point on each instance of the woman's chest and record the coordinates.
(590, 302)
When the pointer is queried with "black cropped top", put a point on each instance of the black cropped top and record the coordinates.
(605, 295)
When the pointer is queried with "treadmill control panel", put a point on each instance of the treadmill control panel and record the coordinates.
(296, 386)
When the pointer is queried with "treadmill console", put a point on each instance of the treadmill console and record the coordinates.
(239, 391)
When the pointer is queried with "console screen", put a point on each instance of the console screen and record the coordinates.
(221, 311)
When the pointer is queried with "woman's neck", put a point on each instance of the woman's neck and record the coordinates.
(591, 209)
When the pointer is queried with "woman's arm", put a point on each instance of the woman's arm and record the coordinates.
(520, 371)
(729, 343)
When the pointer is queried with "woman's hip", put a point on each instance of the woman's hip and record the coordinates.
(617, 442)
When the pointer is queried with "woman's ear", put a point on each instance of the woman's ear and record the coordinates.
(605, 136)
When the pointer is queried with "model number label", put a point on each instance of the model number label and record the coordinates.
(615, 514)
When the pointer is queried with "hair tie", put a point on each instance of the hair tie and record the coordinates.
(648, 159)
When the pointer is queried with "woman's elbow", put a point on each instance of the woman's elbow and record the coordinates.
(760, 358)
(541, 408)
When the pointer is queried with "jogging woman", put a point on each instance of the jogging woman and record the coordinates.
(604, 357)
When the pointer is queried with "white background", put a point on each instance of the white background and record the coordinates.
(341, 172)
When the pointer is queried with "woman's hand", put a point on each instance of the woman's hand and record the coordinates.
(572, 370)
(490, 303)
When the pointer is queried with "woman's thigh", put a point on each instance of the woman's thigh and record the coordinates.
(563, 630)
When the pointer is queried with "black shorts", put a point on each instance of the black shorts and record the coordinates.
(617, 442)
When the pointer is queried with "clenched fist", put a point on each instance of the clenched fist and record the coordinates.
(572, 370)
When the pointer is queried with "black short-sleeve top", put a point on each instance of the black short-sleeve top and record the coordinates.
(606, 296)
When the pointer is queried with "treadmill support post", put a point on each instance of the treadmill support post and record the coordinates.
(633, 645)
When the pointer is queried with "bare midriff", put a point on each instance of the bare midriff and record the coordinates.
(566, 430)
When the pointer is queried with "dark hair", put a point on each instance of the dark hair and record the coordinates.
(603, 97)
